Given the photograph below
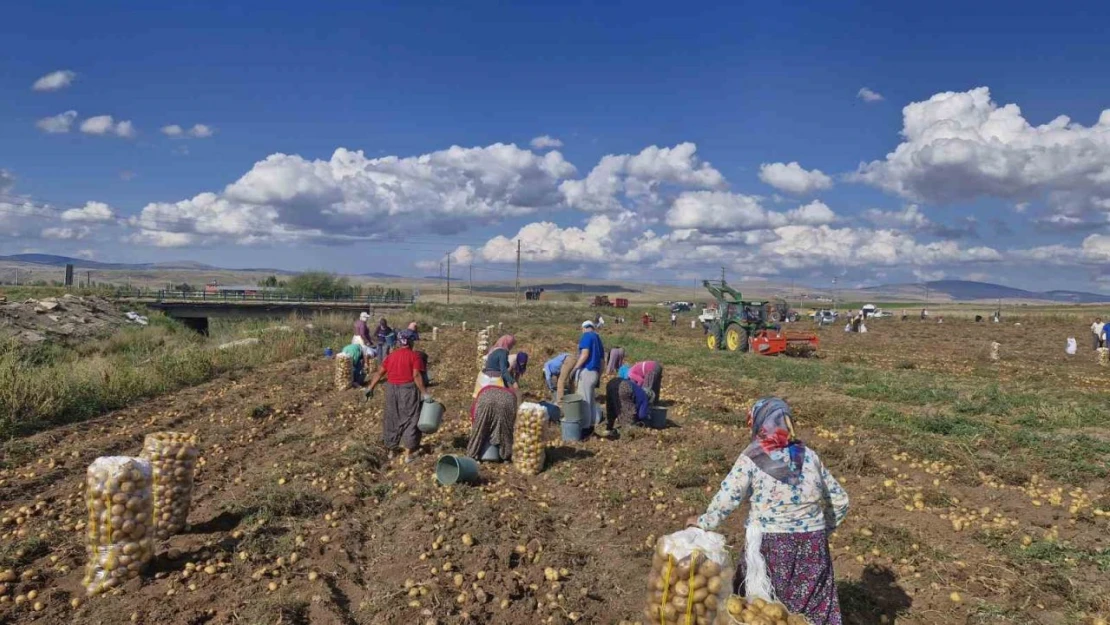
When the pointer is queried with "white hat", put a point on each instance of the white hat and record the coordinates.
(587, 324)
(364, 316)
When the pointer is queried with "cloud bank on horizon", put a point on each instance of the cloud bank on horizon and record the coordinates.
(664, 208)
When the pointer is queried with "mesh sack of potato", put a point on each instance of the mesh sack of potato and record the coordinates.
(344, 372)
(739, 611)
(529, 450)
(120, 537)
(173, 461)
(691, 578)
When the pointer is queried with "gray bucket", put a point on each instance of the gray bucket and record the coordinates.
(658, 417)
(431, 415)
(492, 453)
(572, 431)
(456, 470)
(574, 407)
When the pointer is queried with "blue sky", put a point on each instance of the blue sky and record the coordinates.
(691, 100)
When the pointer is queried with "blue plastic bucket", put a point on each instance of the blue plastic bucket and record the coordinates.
(492, 453)
(658, 419)
(456, 470)
(572, 430)
(328, 353)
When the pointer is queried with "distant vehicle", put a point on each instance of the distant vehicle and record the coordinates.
(601, 301)
(825, 317)
(679, 307)
(620, 302)
(709, 314)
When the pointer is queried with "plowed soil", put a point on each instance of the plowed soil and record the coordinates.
(300, 517)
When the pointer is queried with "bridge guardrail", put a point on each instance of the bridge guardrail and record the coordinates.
(276, 298)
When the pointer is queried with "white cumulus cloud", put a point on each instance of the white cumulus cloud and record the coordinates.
(869, 95)
(287, 197)
(792, 178)
(642, 180)
(79, 232)
(958, 146)
(57, 124)
(715, 211)
(106, 125)
(54, 80)
(90, 212)
(198, 131)
(544, 142)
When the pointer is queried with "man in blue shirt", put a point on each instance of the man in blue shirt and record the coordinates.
(591, 359)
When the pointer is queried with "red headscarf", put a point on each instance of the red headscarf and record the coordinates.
(505, 342)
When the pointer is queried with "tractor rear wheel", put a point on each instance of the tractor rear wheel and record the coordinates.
(736, 338)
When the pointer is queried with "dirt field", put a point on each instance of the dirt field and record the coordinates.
(978, 489)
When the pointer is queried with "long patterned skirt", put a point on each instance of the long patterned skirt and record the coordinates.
(620, 404)
(402, 411)
(801, 571)
(494, 422)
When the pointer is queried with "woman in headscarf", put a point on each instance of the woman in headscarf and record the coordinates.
(386, 338)
(496, 370)
(403, 392)
(648, 374)
(362, 337)
(615, 360)
(492, 422)
(795, 504)
(626, 403)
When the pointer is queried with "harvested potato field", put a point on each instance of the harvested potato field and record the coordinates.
(978, 487)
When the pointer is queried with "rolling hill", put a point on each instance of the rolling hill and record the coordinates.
(967, 290)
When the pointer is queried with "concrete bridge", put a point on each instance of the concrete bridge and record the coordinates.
(195, 309)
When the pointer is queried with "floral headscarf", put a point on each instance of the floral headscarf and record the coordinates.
(505, 342)
(772, 430)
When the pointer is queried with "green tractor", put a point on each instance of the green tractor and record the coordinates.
(736, 320)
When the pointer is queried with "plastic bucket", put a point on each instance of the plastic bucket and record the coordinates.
(431, 415)
(492, 453)
(456, 470)
(658, 417)
(572, 430)
(574, 407)
(328, 352)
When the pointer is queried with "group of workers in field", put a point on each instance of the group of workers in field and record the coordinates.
(795, 502)
(405, 370)
(630, 392)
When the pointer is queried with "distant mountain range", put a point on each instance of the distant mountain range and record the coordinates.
(966, 290)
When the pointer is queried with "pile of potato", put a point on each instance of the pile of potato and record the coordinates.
(529, 450)
(760, 612)
(120, 536)
(483, 347)
(687, 587)
(173, 460)
(344, 372)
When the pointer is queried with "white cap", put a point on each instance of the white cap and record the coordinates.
(587, 324)
(364, 316)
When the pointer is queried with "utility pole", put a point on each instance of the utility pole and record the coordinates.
(518, 272)
(722, 275)
(472, 278)
(448, 277)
